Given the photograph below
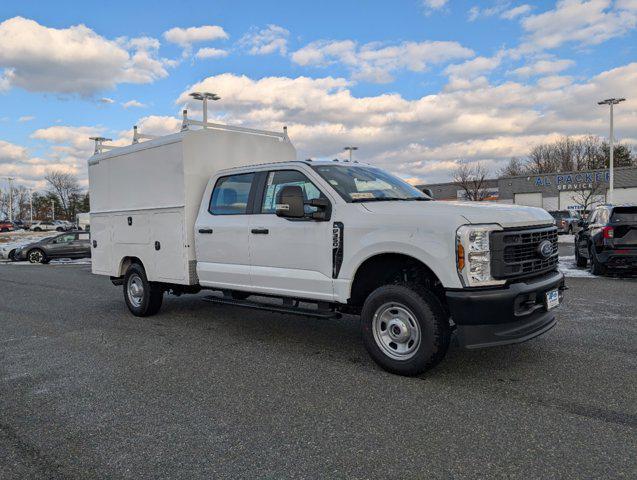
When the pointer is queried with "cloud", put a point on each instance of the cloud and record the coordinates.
(73, 60)
(26, 118)
(10, 152)
(106, 100)
(271, 39)
(501, 9)
(134, 103)
(516, 12)
(186, 37)
(211, 53)
(583, 22)
(543, 67)
(423, 137)
(376, 62)
(431, 5)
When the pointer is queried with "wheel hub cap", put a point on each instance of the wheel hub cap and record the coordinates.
(135, 290)
(396, 331)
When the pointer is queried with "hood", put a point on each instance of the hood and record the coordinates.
(507, 216)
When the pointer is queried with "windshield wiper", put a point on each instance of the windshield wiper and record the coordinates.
(381, 199)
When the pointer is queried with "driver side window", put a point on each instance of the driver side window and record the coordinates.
(283, 178)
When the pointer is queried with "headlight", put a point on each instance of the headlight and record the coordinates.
(473, 255)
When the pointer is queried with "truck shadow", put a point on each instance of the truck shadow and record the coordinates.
(338, 339)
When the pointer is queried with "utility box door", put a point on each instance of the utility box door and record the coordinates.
(101, 245)
(169, 254)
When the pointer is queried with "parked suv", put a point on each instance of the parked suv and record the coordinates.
(566, 221)
(608, 240)
(66, 245)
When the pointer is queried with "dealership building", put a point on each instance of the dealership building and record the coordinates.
(552, 191)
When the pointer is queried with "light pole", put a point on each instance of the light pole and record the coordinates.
(10, 179)
(52, 210)
(350, 149)
(612, 102)
(205, 96)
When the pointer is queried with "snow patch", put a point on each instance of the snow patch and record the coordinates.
(568, 267)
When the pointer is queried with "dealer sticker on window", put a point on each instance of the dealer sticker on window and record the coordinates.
(552, 299)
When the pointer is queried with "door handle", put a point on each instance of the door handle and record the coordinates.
(205, 230)
(261, 231)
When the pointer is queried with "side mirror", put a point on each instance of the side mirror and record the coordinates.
(324, 208)
(289, 202)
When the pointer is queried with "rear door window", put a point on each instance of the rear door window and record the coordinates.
(624, 215)
(231, 194)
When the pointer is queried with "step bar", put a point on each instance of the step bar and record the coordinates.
(286, 307)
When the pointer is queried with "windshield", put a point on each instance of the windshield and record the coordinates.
(357, 183)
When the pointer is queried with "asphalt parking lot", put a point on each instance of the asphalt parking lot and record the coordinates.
(209, 391)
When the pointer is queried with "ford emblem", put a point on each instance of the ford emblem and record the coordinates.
(545, 249)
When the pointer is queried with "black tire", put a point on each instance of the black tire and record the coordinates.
(149, 301)
(570, 229)
(11, 256)
(37, 229)
(595, 267)
(36, 256)
(579, 260)
(422, 307)
(59, 229)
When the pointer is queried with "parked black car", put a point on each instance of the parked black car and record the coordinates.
(66, 245)
(608, 240)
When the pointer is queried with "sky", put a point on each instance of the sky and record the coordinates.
(417, 85)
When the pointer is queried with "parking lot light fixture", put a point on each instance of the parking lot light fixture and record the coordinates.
(611, 102)
(350, 150)
(205, 96)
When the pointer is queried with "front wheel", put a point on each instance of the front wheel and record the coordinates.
(579, 260)
(36, 256)
(143, 298)
(405, 329)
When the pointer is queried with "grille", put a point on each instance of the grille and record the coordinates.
(516, 253)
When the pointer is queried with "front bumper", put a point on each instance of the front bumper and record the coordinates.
(513, 314)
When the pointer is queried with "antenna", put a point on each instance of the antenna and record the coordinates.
(205, 96)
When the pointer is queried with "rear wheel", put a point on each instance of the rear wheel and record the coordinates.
(143, 298)
(37, 229)
(570, 229)
(405, 329)
(595, 267)
(36, 256)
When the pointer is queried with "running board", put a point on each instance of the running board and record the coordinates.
(308, 312)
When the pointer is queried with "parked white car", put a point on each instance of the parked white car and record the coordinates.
(231, 210)
(44, 226)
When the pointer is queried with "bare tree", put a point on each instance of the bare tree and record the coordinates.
(472, 178)
(514, 168)
(65, 187)
(586, 197)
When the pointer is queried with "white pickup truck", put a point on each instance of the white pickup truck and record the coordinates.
(231, 210)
